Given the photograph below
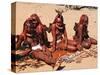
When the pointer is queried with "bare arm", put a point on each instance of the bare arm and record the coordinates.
(54, 35)
(65, 38)
(80, 29)
(20, 39)
(22, 36)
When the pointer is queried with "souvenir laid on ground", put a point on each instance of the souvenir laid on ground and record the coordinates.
(51, 37)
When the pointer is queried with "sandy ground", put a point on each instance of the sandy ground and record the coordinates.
(84, 60)
(47, 14)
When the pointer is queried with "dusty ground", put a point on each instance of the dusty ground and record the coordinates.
(87, 58)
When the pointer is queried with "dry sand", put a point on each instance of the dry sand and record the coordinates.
(47, 14)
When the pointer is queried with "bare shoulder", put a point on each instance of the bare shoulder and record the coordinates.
(53, 26)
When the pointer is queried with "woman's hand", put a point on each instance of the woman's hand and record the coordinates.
(79, 47)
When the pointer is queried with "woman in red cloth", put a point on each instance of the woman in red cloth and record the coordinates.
(81, 33)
